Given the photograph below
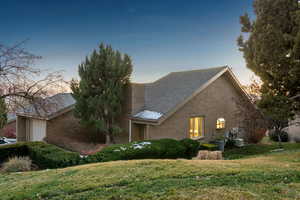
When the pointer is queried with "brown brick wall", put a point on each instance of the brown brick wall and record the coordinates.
(67, 126)
(134, 102)
(213, 102)
(138, 97)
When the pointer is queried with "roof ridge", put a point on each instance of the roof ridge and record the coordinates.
(205, 69)
(185, 71)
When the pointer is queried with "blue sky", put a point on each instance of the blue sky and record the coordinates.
(161, 36)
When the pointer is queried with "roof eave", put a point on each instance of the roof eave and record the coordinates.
(48, 117)
(144, 121)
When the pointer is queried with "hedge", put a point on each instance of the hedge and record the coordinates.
(148, 149)
(192, 147)
(49, 156)
(12, 150)
(43, 154)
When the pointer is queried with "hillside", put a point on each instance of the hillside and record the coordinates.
(273, 176)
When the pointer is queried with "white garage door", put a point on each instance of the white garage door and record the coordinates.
(37, 130)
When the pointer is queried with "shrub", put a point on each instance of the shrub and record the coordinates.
(283, 135)
(17, 164)
(256, 136)
(210, 147)
(9, 132)
(192, 147)
(12, 150)
(42, 154)
(163, 148)
(50, 156)
(230, 143)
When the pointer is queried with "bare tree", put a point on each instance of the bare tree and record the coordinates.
(20, 83)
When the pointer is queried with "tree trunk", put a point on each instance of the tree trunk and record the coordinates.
(107, 140)
(112, 139)
(279, 137)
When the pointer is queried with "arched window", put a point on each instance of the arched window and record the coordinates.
(220, 123)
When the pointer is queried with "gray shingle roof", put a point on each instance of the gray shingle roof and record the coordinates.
(49, 106)
(166, 93)
(161, 96)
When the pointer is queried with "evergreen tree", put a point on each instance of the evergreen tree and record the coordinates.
(3, 113)
(277, 109)
(272, 48)
(99, 94)
(272, 52)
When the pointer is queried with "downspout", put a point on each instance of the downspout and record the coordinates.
(130, 130)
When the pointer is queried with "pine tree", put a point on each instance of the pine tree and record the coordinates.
(272, 48)
(104, 76)
(272, 52)
(3, 113)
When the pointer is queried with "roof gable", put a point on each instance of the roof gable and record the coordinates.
(209, 76)
(165, 94)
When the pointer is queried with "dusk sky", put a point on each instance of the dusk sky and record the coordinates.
(161, 36)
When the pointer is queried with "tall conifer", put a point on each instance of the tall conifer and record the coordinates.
(99, 94)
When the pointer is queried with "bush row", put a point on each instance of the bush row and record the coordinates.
(43, 154)
(49, 156)
(148, 149)
(12, 150)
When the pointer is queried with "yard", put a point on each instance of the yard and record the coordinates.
(258, 175)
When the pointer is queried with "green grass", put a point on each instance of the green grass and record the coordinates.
(258, 149)
(269, 176)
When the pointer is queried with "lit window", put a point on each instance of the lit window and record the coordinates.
(220, 123)
(196, 127)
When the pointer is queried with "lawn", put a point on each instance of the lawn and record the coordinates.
(267, 176)
(258, 149)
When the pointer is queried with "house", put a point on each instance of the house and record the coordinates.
(195, 104)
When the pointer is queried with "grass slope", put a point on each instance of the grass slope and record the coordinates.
(272, 176)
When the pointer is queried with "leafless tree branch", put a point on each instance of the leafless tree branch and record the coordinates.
(20, 83)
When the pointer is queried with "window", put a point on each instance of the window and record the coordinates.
(220, 123)
(196, 127)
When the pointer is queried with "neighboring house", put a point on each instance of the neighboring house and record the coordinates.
(195, 104)
(10, 128)
(294, 126)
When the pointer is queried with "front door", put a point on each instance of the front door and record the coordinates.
(141, 132)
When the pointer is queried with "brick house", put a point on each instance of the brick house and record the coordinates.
(195, 104)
